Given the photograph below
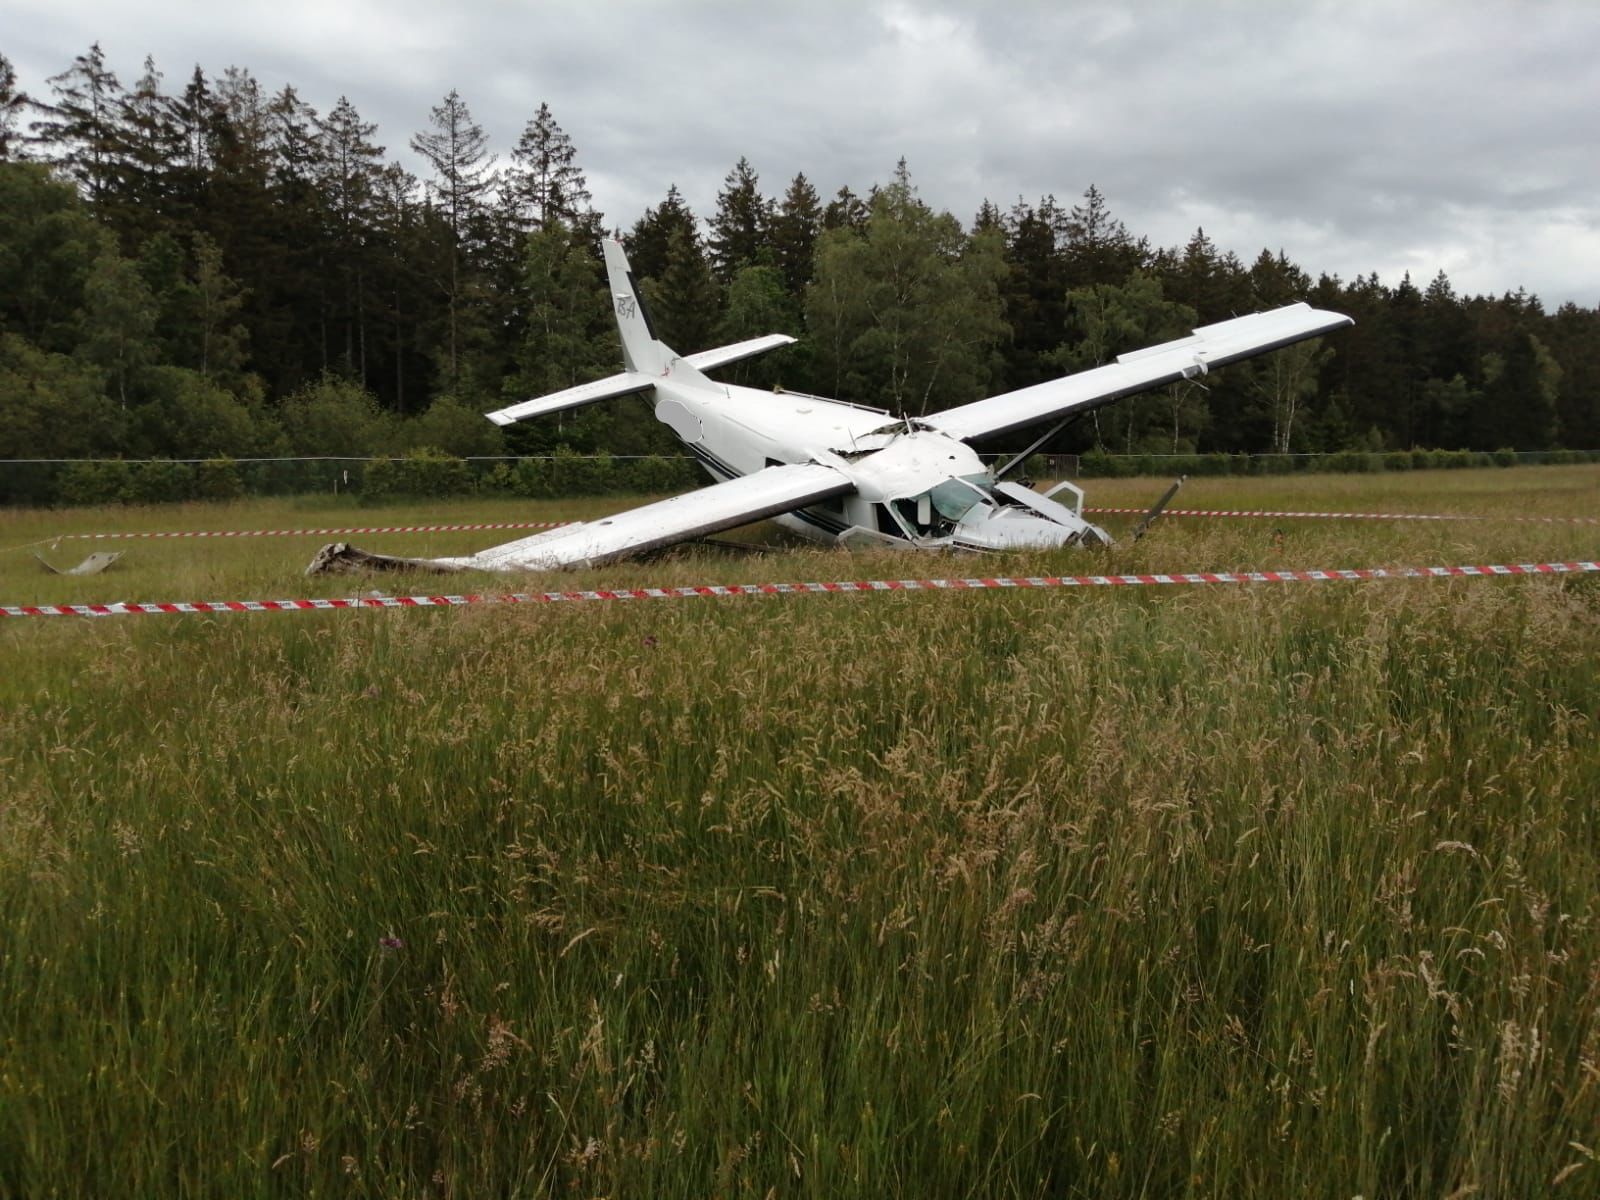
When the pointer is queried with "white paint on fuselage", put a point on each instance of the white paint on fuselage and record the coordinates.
(743, 430)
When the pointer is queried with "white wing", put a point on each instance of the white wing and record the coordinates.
(735, 502)
(1209, 346)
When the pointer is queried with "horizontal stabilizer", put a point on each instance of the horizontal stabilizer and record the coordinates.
(723, 355)
(608, 388)
(1139, 371)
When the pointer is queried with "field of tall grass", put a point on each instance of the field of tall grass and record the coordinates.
(1226, 891)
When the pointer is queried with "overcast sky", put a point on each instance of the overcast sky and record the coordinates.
(1401, 136)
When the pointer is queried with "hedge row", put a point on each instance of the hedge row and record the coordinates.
(418, 473)
(430, 473)
(1344, 462)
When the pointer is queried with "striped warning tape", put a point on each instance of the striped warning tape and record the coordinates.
(243, 533)
(1171, 512)
(1352, 516)
(796, 589)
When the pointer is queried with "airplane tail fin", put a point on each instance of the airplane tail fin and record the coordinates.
(642, 351)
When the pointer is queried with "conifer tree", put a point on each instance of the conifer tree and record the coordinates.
(846, 211)
(194, 112)
(350, 162)
(567, 338)
(795, 225)
(1095, 246)
(545, 181)
(683, 298)
(739, 226)
(649, 242)
(152, 142)
(12, 105)
(1573, 335)
(1034, 291)
(79, 131)
(457, 150)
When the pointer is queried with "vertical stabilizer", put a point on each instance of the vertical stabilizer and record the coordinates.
(641, 351)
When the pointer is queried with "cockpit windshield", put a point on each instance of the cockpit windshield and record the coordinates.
(954, 498)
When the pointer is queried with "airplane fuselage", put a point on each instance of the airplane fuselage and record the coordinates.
(913, 484)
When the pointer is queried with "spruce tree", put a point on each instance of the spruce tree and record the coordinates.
(1573, 335)
(1095, 246)
(649, 242)
(152, 143)
(739, 226)
(545, 181)
(1034, 291)
(350, 162)
(457, 150)
(846, 211)
(795, 225)
(79, 131)
(683, 298)
(194, 112)
(12, 105)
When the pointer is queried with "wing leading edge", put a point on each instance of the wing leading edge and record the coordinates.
(1209, 346)
(726, 505)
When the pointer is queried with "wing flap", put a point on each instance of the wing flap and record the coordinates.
(735, 502)
(707, 359)
(608, 388)
(1209, 346)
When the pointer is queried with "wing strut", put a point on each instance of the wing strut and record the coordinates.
(1060, 425)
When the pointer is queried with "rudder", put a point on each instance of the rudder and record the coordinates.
(641, 349)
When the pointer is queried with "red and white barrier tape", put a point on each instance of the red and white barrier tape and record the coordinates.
(243, 533)
(1171, 512)
(796, 589)
(1351, 516)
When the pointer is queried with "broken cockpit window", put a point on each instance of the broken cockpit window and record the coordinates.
(935, 512)
(954, 498)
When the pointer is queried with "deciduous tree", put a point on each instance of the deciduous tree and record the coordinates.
(906, 313)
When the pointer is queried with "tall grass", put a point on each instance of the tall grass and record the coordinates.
(1266, 891)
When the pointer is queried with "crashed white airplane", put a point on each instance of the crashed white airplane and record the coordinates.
(839, 472)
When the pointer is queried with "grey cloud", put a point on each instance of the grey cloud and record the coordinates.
(1356, 136)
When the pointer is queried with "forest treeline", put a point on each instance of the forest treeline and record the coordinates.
(211, 270)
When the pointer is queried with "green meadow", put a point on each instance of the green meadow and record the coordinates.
(1270, 890)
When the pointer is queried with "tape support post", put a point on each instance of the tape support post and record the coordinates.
(1027, 582)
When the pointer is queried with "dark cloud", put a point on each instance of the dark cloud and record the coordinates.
(1355, 136)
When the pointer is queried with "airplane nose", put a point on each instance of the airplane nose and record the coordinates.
(1011, 529)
